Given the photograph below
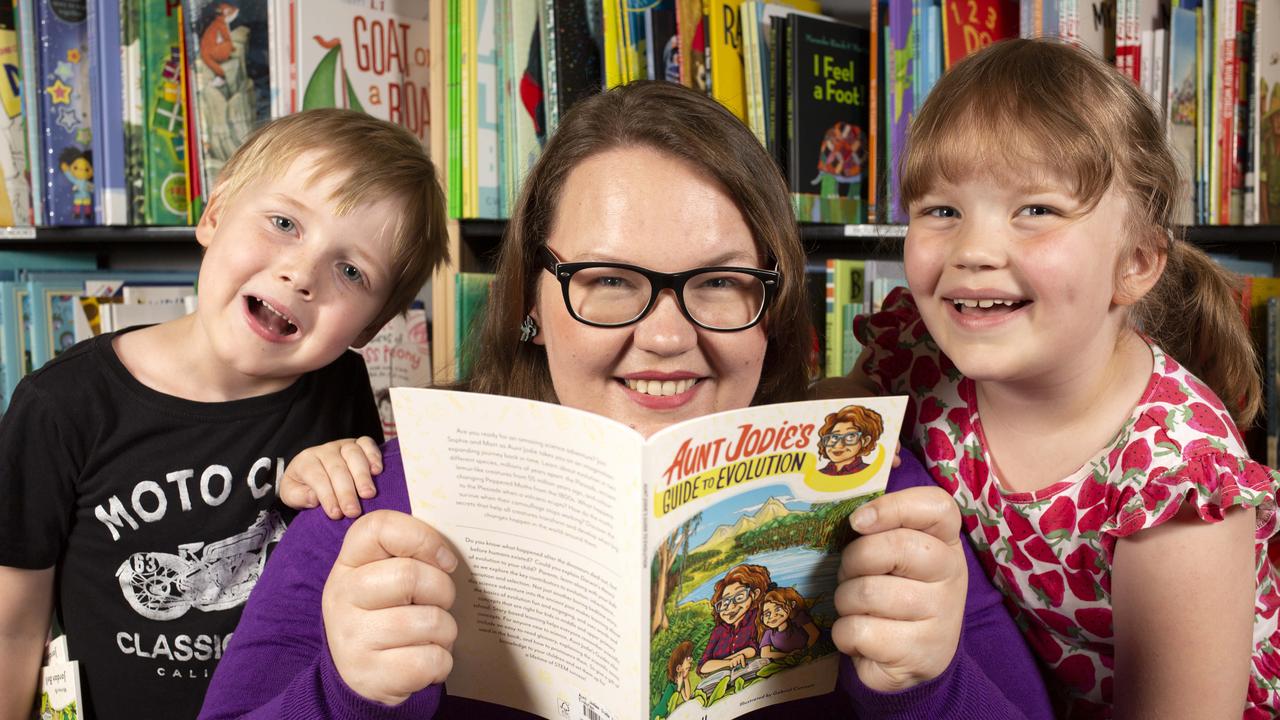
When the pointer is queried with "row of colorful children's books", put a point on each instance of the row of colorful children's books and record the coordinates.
(853, 288)
(122, 112)
(43, 312)
(833, 101)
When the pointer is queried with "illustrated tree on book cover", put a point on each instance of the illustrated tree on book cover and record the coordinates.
(744, 589)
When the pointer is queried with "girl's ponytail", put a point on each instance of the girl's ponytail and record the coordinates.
(1193, 313)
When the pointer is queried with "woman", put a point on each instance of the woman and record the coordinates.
(663, 179)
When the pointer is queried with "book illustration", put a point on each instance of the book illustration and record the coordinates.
(76, 164)
(208, 577)
(370, 57)
(689, 574)
(840, 164)
(66, 115)
(231, 76)
(60, 694)
(748, 582)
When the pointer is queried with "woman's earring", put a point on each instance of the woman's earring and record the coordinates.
(528, 329)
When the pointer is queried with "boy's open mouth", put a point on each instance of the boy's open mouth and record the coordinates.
(270, 318)
(969, 306)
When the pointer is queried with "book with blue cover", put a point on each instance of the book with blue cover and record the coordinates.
(110, 196)
(26, 27)
(65, 112)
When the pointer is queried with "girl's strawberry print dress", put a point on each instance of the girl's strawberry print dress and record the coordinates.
(1050, 551)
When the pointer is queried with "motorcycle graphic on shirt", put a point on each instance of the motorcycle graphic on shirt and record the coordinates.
(208, 577)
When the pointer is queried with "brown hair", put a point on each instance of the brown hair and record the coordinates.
(867, 421)
(379, 160)
(779, 596)
(683, 652)
(685, 125)
(1064, 108)
(755, 577)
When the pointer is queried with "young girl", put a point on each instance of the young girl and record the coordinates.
(1065, 352)
(784, 626)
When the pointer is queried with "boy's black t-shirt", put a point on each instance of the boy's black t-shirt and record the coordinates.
(157, 511)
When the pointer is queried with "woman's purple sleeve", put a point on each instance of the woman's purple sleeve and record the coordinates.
(277, 664)
(993, 674)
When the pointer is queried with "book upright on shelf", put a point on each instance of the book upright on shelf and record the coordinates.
(590, 555)
(828, 151)
(65, 112)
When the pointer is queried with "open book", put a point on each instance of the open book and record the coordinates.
(606, 576)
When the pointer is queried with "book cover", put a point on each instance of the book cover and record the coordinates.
(60, 694)
(625, 546)
(15, 185)
(578, 68)
(1271, 398)
(228, 48)
(1266, 142)
(829, 71)
(472, 294)
(691, 46)
(65, 112)
(164, 135)
(371, 57)
(110, 196)
(970, 25)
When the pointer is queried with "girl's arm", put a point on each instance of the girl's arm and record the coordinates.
(1183, 607)
(811, 630)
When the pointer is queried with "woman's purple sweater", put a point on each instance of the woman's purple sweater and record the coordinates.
(278, 664)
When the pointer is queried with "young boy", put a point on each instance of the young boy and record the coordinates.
(138, 469)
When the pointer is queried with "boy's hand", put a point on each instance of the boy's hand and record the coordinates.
(332, 475)
(902, 589)
(386, 606)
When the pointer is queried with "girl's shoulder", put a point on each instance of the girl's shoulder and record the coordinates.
(1182, 447)
(899, 354)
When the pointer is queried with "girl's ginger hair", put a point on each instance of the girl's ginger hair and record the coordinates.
(755, 577)
(779, 596)
(1045, 105)
(690, 128)
(868, 422)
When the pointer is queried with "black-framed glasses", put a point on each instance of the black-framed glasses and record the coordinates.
(830, 440)
(608, 294)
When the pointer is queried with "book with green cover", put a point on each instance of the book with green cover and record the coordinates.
(164, 130)
(472, 294)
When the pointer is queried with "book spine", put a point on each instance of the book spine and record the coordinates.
(110, 194)
(164, 126)
(31, 102)
(16, 207)
(65, 113)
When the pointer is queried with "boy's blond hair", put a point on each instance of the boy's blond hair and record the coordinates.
(379, 159)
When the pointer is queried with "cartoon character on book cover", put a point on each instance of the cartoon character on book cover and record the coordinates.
(743, 590)
(64, 85)
(231, 73)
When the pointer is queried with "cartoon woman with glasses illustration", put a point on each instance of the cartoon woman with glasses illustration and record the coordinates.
(735, 604)
(846, 437)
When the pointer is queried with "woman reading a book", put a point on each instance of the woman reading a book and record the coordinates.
(604, 300)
